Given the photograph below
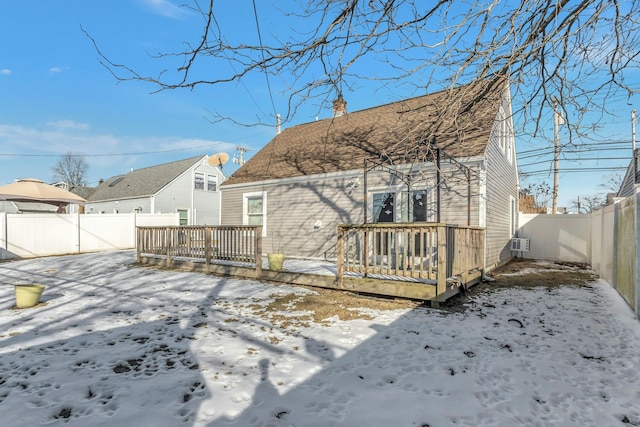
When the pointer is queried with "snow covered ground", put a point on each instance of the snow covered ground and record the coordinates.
(118, 345)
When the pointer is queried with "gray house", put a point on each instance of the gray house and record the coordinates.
(631, 177)
(190, 187)
(447, 157)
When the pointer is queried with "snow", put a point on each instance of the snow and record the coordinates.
(119, 345)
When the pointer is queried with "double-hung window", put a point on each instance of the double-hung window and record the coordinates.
(212, 183)
(254, 208)
(198, 181)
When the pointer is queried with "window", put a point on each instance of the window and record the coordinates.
(212, 183)
(423, 207)
(254, 207)
(184, 216)
(198, 181)
(383, 207)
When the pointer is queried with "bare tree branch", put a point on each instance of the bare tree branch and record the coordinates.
(579, 51)
(70, 168)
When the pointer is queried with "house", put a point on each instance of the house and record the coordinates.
(26, 207)
(82, 191)
(190, 187)
(631, 177)
(446, 157)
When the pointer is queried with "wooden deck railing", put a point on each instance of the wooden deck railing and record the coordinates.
(209, 243)
(430, 252)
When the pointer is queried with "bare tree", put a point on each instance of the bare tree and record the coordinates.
(577, 51)
(540, 192)
(611, 183)
(70, 168)
(586, 204)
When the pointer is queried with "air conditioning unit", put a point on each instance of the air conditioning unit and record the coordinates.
(519, 244)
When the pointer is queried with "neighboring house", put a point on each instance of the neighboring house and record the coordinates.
(82, 191)
(26, 207)
(190, 187)
(629, 182)
(310, 177)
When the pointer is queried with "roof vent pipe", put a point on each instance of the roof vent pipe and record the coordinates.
(278, 124)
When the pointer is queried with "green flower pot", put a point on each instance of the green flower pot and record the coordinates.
(28, 295)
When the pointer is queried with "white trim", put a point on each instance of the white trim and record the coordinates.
(513, 213)
(245, 217)
(482, 195)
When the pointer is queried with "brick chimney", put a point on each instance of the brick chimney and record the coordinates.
(339, 106)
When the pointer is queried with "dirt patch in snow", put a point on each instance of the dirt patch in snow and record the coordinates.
(528, 273)
(294, 310)
(324, 304)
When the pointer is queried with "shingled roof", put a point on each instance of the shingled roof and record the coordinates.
(141, 182)
(459, 121)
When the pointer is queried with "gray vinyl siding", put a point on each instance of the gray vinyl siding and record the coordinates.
(119, 206)
(626, 189)
(502, 185)
(302, 216)
(7, 207)
(176, 195)
(453, 198)
(207, 203)
(181, 195)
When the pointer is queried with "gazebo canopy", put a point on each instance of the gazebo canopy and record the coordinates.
(34, 190)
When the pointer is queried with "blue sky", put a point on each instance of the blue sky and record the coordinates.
(57, 97)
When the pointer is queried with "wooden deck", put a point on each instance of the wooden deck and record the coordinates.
(428, 262)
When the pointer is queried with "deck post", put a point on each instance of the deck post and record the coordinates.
(207, 248)
(168, 241)
(258, 253)
(138, 245)
(441, 277)
(340, 261)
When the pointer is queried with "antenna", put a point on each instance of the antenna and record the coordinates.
(238, 158)
(218, 159)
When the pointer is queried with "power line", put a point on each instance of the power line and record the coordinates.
(575, 170)
(264, 68)
(112, 154)
(594, 144)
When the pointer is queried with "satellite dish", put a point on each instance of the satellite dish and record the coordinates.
(218, 159)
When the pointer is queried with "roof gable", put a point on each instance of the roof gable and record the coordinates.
(459, 121)
(142, 182)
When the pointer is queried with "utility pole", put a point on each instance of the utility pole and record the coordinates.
(557, 118)
(633, 146)
(238, 157)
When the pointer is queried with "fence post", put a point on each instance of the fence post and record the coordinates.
(134, 235)
(76, 218)
(340, 255)
(207, 248)
(4, 238)
(441, 286)
(138, 233)
(636, 310)
(168, 240)
(614, 233)
(258, 254)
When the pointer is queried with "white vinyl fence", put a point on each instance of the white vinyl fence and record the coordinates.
(556, 237)
(607, 239)
(34, 235)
